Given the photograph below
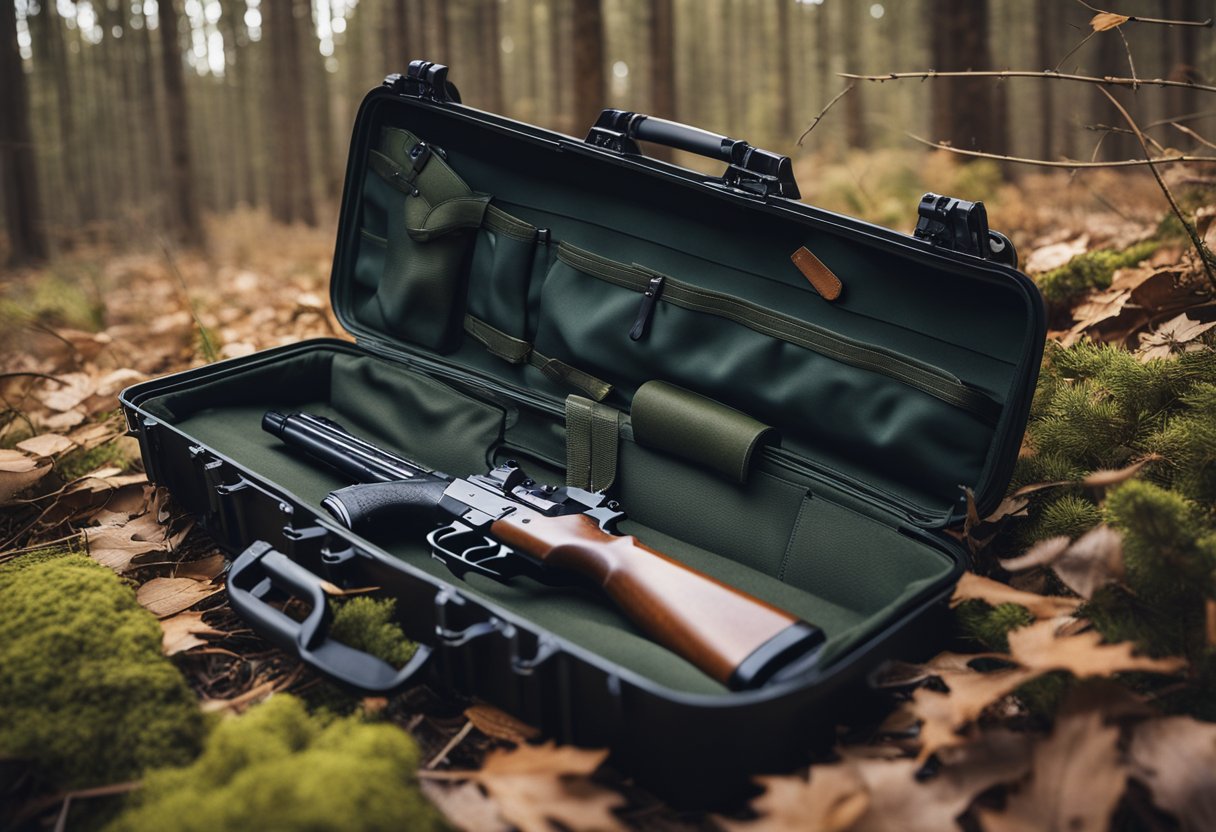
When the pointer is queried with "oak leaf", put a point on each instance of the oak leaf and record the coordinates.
(18, 472)
(1179, 334)
(205, 569)
(1038, 647)
(832, 800)
(464, 806)
(167, 596)
(1176, 758)
(536, 784)
(1104, 478)
(182, 631)
(944, 715)
(1092, 561)
(1076, 782)
(46, 445)
(974, 587)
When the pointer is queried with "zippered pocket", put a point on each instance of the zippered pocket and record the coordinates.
(846, 404)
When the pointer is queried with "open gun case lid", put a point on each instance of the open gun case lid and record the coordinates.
(499, 278)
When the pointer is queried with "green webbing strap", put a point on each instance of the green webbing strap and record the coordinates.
(592, 434)
(517, 351)
(499, 221)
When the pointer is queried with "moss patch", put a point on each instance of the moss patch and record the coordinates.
(276, 767)
(1088, 271)
(85, 693)
(367, 624)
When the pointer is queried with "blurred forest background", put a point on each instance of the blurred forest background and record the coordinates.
(120, 118)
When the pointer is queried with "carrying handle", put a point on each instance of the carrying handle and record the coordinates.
(749, 168)
(261, 568)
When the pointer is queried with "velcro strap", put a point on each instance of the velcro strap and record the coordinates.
(592, 435)
(563, 372)
(517, 351)
(688, 425)
(496, 341)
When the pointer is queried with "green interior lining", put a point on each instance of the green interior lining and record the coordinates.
(843, 571)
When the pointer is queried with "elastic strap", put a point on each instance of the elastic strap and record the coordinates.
(517, 351)
(592, 434)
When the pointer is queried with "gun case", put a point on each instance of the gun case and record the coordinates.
(791, 401)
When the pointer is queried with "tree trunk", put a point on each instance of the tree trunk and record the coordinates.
(18, 171)
(591, 93)
(854, 112)
(964, 109)
(184, 224)
(1045, 58)
(489, 57)
(784, 119)
(290, 171)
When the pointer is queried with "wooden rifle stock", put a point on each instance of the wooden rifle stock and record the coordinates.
(736, 639)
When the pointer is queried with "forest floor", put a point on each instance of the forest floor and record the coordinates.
(1049, 710)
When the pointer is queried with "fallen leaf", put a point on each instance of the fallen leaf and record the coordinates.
(944, 715)
(182, 631)
(46, 445)
(1176, 758)
(166, 596)
(1046, 258)
(72, 389)
(1105, 21)
(1093, 561)
(1106, 477)
(1076, 781)
(1039, 648)
(972, 586)
(499, 724)
(465, 806)
(900, 801)
(18, 472)
(536, 784)
(201, 570)
(832, 800)
(1178, 334)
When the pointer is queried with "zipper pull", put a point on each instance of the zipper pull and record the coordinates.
(646, 309)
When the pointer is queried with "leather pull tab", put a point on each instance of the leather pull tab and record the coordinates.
(820, 276)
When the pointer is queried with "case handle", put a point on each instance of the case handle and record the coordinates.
(748, 168)
(261, 568)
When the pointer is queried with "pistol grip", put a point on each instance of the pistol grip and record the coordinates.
(368, 505)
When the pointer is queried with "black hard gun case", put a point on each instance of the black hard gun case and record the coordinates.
(507, 286)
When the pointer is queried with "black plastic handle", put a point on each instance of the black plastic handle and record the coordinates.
(366, 506)
(261, 568)
(750, 168)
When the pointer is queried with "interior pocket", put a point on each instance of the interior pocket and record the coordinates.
(501, 271)
(853, 399)
(411, 285)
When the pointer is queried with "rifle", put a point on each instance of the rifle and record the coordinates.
(503, 524)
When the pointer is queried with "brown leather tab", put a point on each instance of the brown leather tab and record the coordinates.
(820, 276)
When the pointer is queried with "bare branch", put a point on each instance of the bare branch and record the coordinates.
(1131, 18)
(1064, 163)
(824, 112)
(1205, 256)
(1189, 132)
(1110, 128)
(1107, 80)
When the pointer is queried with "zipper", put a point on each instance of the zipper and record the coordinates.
(646, 308)
(916, 374)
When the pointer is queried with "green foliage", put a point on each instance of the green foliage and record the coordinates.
(67, 294)
(85, 693)
(1088, 271)
(276, 767)
(990, 625)
(79, 462)
(367, 624)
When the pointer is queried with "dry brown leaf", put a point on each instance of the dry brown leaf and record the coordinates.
(1094, 560)
(1039, 648)
(167, 596)
(46, 445)
(1052, 256)
(18, 472)
(1209, 611)
(1043, 553)
(1075, 784)
(1176, 758)
(1179, 334)
(94, 434)
(1105, 21)
(499, 724)
(534, 784)
(201, 570)
(943, 715)
(182, 631)
(831, 801)
(72, 389)
(899, 802)
(239, 703)
(464, 806)
(1105, 478)
(972, 586)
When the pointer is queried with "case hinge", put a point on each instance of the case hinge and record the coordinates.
(959, 225)
(425, 79)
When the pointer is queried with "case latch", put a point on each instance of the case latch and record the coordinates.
(959, 225)
(425, 79)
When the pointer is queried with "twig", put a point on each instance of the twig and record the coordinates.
(1067, 54)
(208, 348)
(1110, 128)
(1131, 18)
(1106, 80)
(824, 112)
(452, 743)
(31, 374)
(1063, 163)
(1205, 257)
(1188, 131)
(1131, 63)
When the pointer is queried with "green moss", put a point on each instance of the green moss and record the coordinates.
(278, 768)
(367, 624)
(80, 462)
(85, 693)
(1088, 271)
(66, 294)
(990, 625)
